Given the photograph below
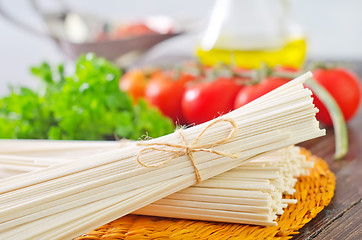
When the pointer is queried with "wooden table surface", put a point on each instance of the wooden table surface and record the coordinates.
(342, 218)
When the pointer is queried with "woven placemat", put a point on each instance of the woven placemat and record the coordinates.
(313, 192)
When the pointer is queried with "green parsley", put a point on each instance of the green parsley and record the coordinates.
(84, 105)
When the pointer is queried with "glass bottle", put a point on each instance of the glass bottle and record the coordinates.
(250, 32)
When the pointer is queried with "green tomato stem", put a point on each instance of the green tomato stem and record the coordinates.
(339, 124)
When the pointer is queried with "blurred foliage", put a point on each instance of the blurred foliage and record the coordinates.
(85, 105)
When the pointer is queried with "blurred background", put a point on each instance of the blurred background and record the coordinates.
(332, 29)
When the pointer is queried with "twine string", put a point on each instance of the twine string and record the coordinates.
(186, 149)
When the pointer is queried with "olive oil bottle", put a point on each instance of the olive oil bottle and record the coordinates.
(292, 54)
(251, 32)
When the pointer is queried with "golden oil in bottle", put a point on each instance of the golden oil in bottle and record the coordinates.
(292, 54)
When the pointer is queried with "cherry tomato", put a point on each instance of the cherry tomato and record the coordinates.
(165, 91)
(285, 69)
(252, 92)
(345, 88)
(207, 100)
(135, 81)
(131, 30)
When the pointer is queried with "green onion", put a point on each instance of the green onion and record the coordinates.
(339, 124)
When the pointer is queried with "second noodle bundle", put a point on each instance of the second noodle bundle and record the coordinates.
(251, 193)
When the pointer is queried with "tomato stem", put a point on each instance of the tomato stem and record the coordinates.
(176, 74)
(339, 124)
(285, 75)
(322, 65)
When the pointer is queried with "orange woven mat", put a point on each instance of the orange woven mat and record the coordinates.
(314, 192)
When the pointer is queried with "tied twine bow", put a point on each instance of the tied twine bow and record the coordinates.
(188, 149)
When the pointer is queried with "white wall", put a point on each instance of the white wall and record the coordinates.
(334, 29)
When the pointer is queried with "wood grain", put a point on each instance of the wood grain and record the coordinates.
(342, 218)
(348, 226)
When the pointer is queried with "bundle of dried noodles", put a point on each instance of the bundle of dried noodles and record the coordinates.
(67, 199)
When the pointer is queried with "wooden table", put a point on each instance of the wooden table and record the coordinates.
(342, 219)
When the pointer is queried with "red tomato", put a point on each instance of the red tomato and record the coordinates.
(131, 30)
(135, 81)
(286, 69)
(345, 88)
(250, 93)
(207, 100)
(166, 93)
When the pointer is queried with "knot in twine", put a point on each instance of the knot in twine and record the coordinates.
(186, 149)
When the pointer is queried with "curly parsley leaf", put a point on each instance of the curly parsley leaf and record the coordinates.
(84, 105)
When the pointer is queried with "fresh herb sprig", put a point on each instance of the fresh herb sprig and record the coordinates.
(84, 105)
